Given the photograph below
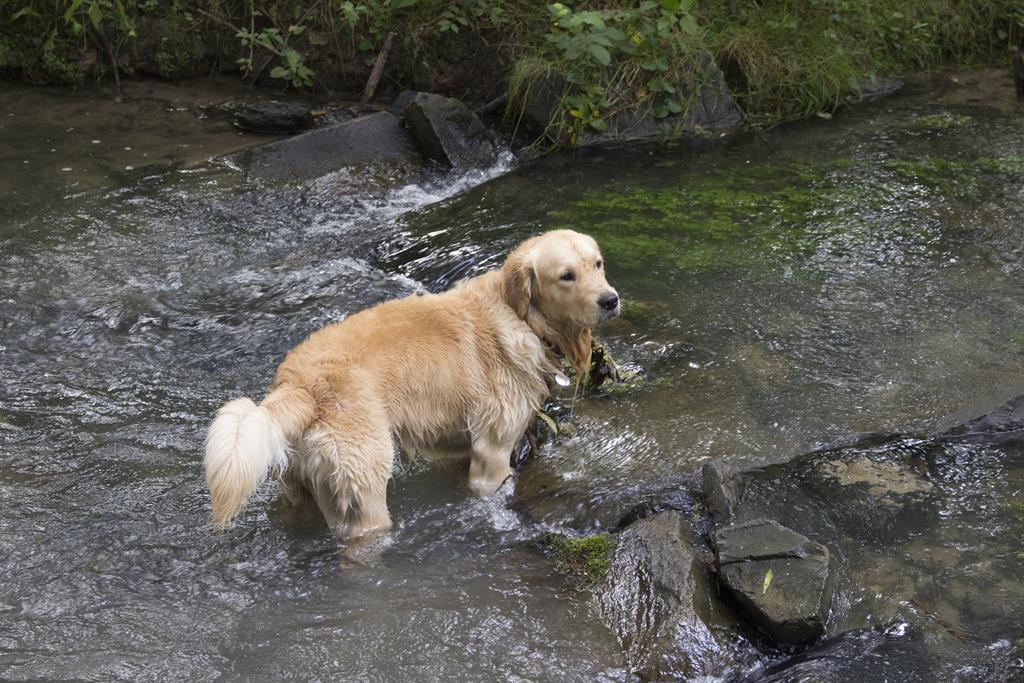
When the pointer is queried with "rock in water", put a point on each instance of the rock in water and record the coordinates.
(374, 138)
(273, 117)
(662, 606)
(722, 487)
(780, 578)
(446, 131)
(892, 653)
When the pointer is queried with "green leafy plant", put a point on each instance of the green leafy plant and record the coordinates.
(292, 67)
(617, 62)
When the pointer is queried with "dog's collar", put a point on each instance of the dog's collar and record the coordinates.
(558, 376)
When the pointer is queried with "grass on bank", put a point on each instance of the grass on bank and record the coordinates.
(782, 59)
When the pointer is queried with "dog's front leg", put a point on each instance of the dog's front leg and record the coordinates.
(489, 464)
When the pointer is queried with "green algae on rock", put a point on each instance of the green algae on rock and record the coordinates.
(585, 559)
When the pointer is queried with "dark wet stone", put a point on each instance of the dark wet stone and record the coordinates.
(781, 578)
(1001, 424)
(722, 487)
(374, 138)
(879, 87)
(546, 496)
(401, 101)
(446, 131)
(661, 604)
(714, 108)
(679, 500)
(892, 653)
(272, 117)
(542, 96)
(880, 494)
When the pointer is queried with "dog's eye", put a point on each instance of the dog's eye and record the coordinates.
(568, 276)
(599, 264)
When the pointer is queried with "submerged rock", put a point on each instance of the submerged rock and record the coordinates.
(377, 137)
(660, 603)
(781, 578)
(274, 118)
(892, 653)
(887, 481)
(446, 131)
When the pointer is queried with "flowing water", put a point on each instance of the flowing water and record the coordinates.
(861, 274)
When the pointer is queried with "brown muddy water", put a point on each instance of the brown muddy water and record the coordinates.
(859, 274)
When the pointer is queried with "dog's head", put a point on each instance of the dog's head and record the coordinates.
(556, 283)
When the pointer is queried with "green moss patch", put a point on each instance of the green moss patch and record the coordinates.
(585, 559)
(942, 121)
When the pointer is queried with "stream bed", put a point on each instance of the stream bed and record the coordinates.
(862, 274)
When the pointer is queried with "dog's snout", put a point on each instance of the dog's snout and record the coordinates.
(609, 301)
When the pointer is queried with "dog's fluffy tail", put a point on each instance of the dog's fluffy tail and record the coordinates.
(245, 441)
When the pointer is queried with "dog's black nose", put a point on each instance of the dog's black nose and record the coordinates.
(608, 301)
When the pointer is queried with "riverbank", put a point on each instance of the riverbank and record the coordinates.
(608, 62)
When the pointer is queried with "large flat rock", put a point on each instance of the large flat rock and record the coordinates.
(375, 138)
(781, 578)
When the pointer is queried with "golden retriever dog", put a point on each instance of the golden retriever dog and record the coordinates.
(440, 374)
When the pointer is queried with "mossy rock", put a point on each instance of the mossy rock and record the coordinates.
(643, 313)
(585, 559)
(942, 121)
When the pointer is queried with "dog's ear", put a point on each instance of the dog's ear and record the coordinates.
(517, 283)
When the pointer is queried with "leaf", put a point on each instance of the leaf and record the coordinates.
(768, 576)
(26, 11)
(69, 13)
(601, 54)
(688, 25)
(95, 14)
(549, 421)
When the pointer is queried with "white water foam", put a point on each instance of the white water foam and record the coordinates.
(377, 208)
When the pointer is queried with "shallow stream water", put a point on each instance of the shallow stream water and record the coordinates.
(861, 274)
